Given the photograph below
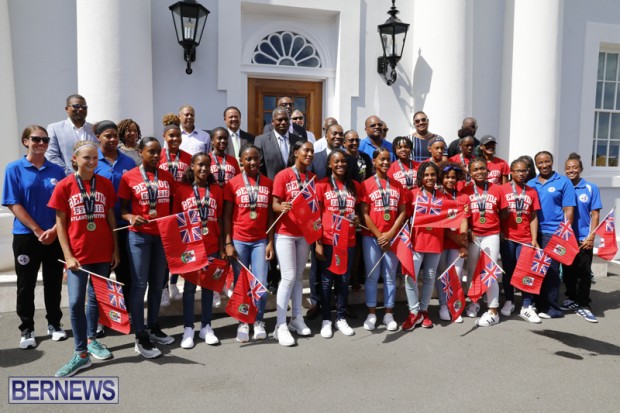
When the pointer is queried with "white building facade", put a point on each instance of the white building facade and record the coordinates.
(538, 75)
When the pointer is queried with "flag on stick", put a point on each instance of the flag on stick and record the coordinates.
(403, 248)
(305, 211)
(530, 271)
(182, 241)
(563, 246)
(111, 304)
(437, 212)
(241, 304)
(455, 296)
(608, 247)
(485, 275)
(340, 243)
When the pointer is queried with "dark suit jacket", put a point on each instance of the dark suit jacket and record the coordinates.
(298, 130)
(244, 138)
(271, 158)
(319, 166)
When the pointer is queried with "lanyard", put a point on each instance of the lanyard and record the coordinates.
(408, 174)
(203, 204)
(221, 168)
(519, 201)
(173, 166)
(299, 183)
(466, 170)
(151, 189)
(252, 190)
(385, 196)
(341, 194)
(481, 199)
(88, 199)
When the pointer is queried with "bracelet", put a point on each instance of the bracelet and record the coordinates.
(229, 243)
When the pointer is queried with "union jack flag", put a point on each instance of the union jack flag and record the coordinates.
(564, 231)
(115, 295)
(609, 222)
(405, 236)
(189, 228)
(447, 287)
(337, 227)
(257, 290)
(428, 205)
(309, 195)
(541, 262)
(489, 274)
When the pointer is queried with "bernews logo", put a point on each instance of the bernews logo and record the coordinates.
(57, 390)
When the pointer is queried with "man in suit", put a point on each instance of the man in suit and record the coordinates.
(334, 140)
(65, 133)
(275, 145)
(237, 138)
(321, 143)
(288, 105)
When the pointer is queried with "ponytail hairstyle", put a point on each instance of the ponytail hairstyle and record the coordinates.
(170, 121)
(295, 147)
(575, 156)
(76, 148)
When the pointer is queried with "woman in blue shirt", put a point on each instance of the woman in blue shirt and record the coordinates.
(578, 275)
(557, 200)
(28, 186)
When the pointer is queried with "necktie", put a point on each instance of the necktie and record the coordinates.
(284, 148)
(235, 144)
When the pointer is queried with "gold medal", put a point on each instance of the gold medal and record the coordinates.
(91, 226)
(483, 220)
(429, 228)
(387, 216)
(152, 213)
(519, 220)
(253, 215)
(204, 230)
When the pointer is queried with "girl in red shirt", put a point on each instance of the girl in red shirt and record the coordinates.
(485, 202)
(223, 166)
(403, 169)
(383, 208)
(247, 215)
(337, 195)
(199, 192)
(146, 193)
(84, 204)
(291, 247)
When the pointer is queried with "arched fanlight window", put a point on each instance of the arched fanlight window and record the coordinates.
(286, 48)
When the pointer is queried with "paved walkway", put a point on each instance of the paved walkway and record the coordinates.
(563, 365)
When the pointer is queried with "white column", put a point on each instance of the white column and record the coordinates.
(535, 91)
(115, 60)
(439, 40)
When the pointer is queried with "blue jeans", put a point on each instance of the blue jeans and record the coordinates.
(510, 252)
(386, 269)
(550, 290)
(206, 303)
(417, 303)
(84, 324)
(340, 282)
(148, 266)
(252, 255)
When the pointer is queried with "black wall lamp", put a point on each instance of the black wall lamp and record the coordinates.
(393, 34)
(189, 20)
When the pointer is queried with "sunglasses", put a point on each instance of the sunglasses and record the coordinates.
(352, 141)
(385, 130)
(416, 121)
(297, 118)
(78, 107)
(39, 139)
(376, 125)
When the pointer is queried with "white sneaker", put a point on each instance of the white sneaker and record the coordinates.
(283, 335)
(507, 309)
(472, 310)
(326, 329)
(207, 334)
(188, 338)
(57, 333)
(297, 325)
(488, 319)
(390, 324)
(259, 330)
(145, 347)
(243, 333)
(175, 294)
(217, 300)
(459, 319)
(27, 340)
(371, 322)
(165, 298)
(528, 314)
(344, 327)
(444, 313)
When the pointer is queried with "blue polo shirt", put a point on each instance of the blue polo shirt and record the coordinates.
(114, 172)
(556, 193)
(31, 188)
(588, 199)
(367, 147)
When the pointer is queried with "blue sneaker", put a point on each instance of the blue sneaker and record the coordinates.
(78, 362)
(587, 314)
(98, 350)
(569, 305)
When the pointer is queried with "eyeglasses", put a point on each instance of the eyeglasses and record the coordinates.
(78, 107)
(287, 104)
(375, 125)
(297, 118)
(39, 139)
(352, 141)
(416, 121)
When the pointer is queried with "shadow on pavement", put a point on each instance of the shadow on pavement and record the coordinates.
(597, 347)
(17, 356)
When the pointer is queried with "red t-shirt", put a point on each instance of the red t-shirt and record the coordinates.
(328, 199)
(133, 189)
(397, 174)
(428, 239)
(371, 195)
(463, 199)
(228, 166)
(457, 159)
(497, 169)
(184, 199)
(88, 247)
(512, 230)
(245, 228)
(286, 188)
(183, 163)
(494, 202)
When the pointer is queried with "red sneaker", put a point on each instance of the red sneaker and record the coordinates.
(426, 321)
(412, 321)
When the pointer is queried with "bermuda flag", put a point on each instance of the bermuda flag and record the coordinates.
(485, 275)
(530, 271)
(111, 304)
(608, 247)
(182, 241)
(455, 296)
(241, 305)
(340, 242)
(212, 277)
(437, 212)
(403, 248)
(306, 213)
(563, 246)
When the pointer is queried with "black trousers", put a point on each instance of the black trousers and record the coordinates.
(578, 278)
(29, 255)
